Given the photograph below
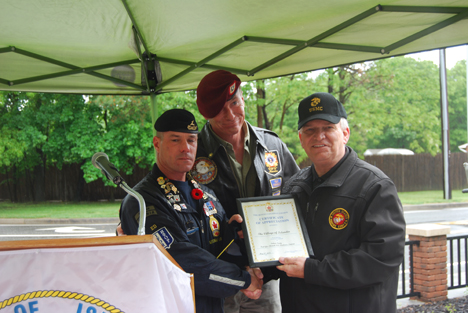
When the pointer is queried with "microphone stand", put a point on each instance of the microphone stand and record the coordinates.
(141, 201)
(113, 175)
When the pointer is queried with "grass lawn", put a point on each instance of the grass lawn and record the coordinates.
(431, 196)
(59, 210)
(111, 209)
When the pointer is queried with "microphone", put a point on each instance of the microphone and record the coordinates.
(100, 161)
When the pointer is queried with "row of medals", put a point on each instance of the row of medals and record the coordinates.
(172, 194)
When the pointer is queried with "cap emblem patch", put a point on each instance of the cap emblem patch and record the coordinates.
(339, 219)
(232, 88)
(314, 102)
(192, 126)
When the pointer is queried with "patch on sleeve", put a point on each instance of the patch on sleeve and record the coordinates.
(164, 237)
(151, 210)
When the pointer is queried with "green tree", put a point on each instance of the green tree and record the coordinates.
(410, 111)
(355, 86)
(38, 125)
(456, 85)
(127, 130)
(272, 104)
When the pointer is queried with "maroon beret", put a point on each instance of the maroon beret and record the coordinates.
(214, 90)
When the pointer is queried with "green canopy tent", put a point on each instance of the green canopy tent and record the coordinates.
(101, 47)
(154, 46)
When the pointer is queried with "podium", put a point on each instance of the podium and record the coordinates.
(108, 274)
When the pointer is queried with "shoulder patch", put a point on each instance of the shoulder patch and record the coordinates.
(164, 237)
(151, 210)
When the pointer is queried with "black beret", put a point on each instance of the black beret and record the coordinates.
(176, 120)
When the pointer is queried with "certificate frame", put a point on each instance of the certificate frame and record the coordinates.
(273, 227)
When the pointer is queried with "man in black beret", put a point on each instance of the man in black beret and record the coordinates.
(354, 220)
(238, 160)
(186, 217)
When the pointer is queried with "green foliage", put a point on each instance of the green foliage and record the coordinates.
(279, 108)
(409, 113)
(456, 85)
(127, 129)
(391, 102)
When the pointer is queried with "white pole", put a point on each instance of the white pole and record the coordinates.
(445, 128)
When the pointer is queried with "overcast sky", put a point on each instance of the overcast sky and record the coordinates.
(452, 55)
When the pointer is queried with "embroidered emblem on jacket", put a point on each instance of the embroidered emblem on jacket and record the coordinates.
(272, 163)
(339, 218)
(204, 170)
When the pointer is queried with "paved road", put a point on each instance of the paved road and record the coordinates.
(54, 231)
(455, 217)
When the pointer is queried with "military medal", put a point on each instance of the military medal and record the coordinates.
(209, 208)
(214, 225)
(171, 193)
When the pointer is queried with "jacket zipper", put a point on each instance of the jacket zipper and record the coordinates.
(315, 211)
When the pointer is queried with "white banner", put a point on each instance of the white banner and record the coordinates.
(123, 278)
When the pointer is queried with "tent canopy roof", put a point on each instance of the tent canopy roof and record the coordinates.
(100, 47)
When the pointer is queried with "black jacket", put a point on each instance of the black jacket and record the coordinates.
(273, 163)
(357, 230)
(192, 237)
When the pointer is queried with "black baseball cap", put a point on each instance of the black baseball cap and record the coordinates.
(320, 106)
(176, 120)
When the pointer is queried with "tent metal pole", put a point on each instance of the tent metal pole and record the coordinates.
(445, 124)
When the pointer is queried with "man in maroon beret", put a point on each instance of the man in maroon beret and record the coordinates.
(238, 160)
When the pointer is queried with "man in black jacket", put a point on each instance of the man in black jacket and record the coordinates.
(186, 217)
(354, 220)
(238, 160)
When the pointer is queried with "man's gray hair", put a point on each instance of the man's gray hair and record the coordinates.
(344, 123)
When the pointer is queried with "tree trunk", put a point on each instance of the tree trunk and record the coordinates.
(260, 102)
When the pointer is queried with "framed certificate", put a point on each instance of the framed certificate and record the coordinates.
(273, 227)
